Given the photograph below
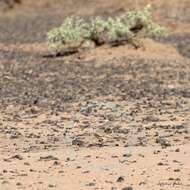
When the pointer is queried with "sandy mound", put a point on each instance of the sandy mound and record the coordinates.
(150, 50)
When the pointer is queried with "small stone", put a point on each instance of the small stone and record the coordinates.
(56, 163)
(17, 157)
(142, 183)
(78, 142)
(91, 184)
(127, 188)
(6, 160)
(31, 170)
(127, 155)
(162, 142)
(51, 186)
(160, 164)
(19, 184)
(156, 151)
(120, 179)
(47, 158)
(177, 150)
(26, 164)
(5, 182)
(85, 172)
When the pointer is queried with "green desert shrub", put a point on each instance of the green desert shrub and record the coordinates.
(75, 31)
(70, 34)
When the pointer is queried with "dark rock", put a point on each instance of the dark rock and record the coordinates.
(163, 142)
(78, 142)
(127, 155)
(47, 158)
(127, 188)
(17, 157)
(91, 184)
(120, 179)
(19, 184)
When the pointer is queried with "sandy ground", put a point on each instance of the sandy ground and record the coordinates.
(108, 118)
(103, 168)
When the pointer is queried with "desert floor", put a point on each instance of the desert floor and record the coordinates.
(107, 118)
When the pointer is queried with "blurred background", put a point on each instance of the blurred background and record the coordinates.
(27, 21)
(173, 12)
